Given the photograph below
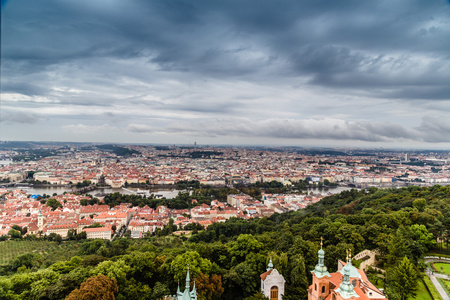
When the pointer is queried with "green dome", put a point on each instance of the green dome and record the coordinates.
(352, 271)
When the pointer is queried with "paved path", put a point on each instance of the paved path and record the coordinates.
(438, 286)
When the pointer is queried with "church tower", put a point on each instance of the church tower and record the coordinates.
(40, 223)
(187, 294)
(320, 287)
(346, 289)
(272, 283)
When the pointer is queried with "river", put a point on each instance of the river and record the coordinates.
(169, 194)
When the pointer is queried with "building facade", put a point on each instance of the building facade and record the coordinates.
(272, 283)
(348, 283)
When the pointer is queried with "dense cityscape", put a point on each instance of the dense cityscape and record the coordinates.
(91, 167)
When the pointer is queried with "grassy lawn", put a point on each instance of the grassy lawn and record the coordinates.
(444, 266)
(49, 251)
(422, 292)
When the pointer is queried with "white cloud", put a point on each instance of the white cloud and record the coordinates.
(82, 128)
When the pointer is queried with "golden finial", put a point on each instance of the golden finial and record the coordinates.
(346, 257)
(321, 241)
(349, 253)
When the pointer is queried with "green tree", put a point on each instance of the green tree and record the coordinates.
(54, 237)
(64, 267)
(15, 234)
(90, 247)
(196, 263)
(142, 265)
(420, 204)
(116, 270)
(160, 290)
(241, 280)
(29, 260)
(257, 296)
(244, 244)
(403, 279)
(17, 227)
(53, 203)
(297, 279)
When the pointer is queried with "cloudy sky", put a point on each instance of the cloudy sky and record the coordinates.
(287, 72)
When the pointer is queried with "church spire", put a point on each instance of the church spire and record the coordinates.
(321, 269)
(178, 289)
(194, 292)
(188, 279)
(270, 265)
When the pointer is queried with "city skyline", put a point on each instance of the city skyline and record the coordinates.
(287, 73)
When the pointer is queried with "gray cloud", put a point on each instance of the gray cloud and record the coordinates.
(184, 61)
(20, 117)
(435, 129)
(430, 130)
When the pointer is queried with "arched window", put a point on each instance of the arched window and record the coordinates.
(315, 287)
(323, 289)
(274, 293)
(333, 297)
(354, 282)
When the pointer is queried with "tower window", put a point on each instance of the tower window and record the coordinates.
(323, 289)
(315, 287)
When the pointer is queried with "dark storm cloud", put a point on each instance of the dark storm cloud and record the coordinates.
(331, 42)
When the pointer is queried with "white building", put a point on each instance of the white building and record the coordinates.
(272, 283)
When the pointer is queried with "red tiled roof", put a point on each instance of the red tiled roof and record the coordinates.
(265, 274)
(98, 229)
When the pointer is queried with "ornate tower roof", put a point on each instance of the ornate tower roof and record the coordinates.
(321, 270)
(353, 271)
(270, 265)
(346, 289)
(187, 294)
